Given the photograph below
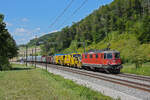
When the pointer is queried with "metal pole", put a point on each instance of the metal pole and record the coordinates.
(84, 46)
(55, 49)
(26, 54)
(143, 8)
(46, 62)
(35, 56)
(35, 49)
(46, 54)
(32, 57)
(148, 6)
(24, 57)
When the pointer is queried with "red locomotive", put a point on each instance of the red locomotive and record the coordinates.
(106, 60)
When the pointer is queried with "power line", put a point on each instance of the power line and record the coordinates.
(61, 14)
(75, 11)
(79, 8)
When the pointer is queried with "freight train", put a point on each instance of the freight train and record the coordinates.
(100, 60)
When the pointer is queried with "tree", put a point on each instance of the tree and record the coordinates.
(144, 35)
(8, 47)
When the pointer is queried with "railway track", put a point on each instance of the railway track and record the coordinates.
(127, 83)
(137, 77)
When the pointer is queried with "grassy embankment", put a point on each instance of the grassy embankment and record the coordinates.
(130, 68)
(35, 84)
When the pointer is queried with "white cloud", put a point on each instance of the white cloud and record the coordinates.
(24, 35)
(9, 24)
(24, 20)
(20, 30)
(26, 31)
(38, 29)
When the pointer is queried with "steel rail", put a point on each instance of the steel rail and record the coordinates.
(142, 78)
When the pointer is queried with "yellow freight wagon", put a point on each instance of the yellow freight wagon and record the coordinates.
(75, 60)
(61, 59)
(58, 58)
(67, 60)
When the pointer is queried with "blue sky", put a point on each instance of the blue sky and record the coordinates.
(27, 18)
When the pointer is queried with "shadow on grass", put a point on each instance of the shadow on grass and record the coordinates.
(17, 69)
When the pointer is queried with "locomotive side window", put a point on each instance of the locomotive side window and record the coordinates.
(91, 56)
(104, 55)
(96, 55)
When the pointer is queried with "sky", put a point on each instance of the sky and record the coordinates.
(27, 18)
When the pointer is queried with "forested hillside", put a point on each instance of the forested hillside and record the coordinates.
(125, 24)
(43, 39)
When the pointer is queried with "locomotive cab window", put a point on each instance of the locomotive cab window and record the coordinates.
(108, 56)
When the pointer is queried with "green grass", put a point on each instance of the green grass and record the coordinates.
(130, 68)
(36, 84)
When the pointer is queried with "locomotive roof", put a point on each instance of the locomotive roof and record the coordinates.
(111, 51)
(102, 51)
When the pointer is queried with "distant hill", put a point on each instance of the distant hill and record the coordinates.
(43, 38)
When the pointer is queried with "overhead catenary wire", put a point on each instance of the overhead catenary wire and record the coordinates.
(61, 14)
(75, 11)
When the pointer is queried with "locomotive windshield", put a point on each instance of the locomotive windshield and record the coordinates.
(117, 55)
(108, 56)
